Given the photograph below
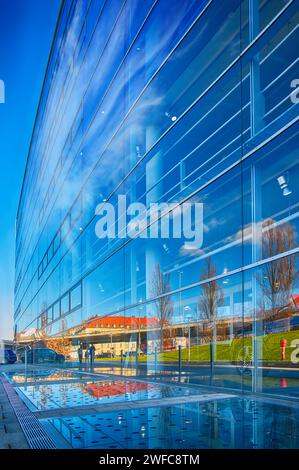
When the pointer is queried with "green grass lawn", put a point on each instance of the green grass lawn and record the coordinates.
(236, 350)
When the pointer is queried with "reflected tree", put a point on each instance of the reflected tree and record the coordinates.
(209, 301)
(163, 304)
(60, 345)
(277, 278)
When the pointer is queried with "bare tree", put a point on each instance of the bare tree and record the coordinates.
(163, 304)
(277, 278)
(60, 345)
(209, 301)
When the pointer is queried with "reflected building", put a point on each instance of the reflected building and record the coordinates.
(156, 105)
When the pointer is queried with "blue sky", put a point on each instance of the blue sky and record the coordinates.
(26, 32)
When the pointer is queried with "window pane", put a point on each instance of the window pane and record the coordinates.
(65, 304)
(56, 311)
(65, 227)
(56, 242)
(50, 252)
(40, 270)
(50, 314)
(45, 262)
(76, 298)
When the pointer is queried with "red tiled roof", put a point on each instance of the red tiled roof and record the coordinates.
(122, 322)
(296, 300)
(109, 389)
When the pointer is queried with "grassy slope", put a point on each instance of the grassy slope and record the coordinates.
(227, 351)
(231, 351)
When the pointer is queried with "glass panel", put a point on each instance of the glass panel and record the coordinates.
(271, 199)
(65, 304)
(191, 104)
(76, 297)
(56, 242)
(45, 261)
(274, 322)
(65, 227)
(56, 311)
(50, 252)
(50, 314)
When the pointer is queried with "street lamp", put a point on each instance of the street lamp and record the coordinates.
(180, 273)
(188, 309)
(139, 332)
(192, 313)
(138, 341)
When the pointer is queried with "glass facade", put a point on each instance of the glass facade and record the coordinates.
(158, 102)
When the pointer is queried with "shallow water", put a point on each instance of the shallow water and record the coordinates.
(232, 423)
(53, 396)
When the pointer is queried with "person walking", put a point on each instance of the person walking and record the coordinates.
(91, 354)
(86, 355)
(80, 354)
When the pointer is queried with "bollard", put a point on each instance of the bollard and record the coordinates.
(211, 362)
(136, 364)
(180, 362)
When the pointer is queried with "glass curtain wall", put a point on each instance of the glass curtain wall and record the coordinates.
(185, 105)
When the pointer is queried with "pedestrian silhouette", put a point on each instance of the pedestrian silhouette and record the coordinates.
(91, 354)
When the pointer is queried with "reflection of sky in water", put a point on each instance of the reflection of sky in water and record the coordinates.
(279, 386)
(235, 423)
(53, 396)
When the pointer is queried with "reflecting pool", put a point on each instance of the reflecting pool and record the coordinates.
(64, 395)
(232, 423)
(46, 375)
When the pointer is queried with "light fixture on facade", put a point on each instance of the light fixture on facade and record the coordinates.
(282, 181)
(165, 247)
(138, 153)
(286, 191)
(225, 281)
(172, 118)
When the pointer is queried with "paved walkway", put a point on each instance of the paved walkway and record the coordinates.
(11, 435)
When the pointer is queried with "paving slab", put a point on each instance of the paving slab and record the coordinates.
(11, 434)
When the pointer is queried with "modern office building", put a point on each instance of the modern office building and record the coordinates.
(190, 105)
